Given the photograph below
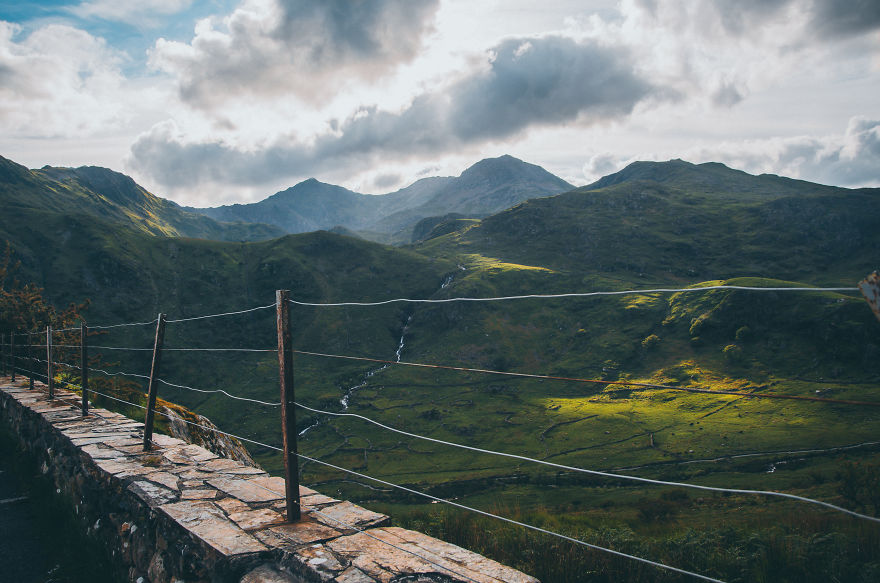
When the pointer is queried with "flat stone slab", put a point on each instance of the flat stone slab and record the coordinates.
(230, 505)
(188, 454)
(151, 493)
(228, 466)
(167, 440)
(163, 478)
(346, 515)
(272, 484)
(244, 490)
(123, 467)
(102, 453)
(386, 563)
(304, 532)
(198, 494)
(207, 522)
(254, 519)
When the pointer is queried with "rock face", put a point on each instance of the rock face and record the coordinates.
(181, 513)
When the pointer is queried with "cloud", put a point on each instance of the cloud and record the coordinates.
(851, 159)
(386, 181)
(307, 48)
(523, 83)
(138, 13)
(601, 165)
(58, 82)
(829, 18)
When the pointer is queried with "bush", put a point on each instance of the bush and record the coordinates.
(732, 354)
(650, 342)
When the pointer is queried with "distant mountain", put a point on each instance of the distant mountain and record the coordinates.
(309, 206)
(683, 221)
(487, 187)
(111, 197)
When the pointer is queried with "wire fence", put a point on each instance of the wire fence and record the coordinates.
(28, 362)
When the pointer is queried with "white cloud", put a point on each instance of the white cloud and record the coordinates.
(142, 12)
(58, 81)
(851, 159)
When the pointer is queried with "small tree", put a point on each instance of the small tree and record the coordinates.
(23, 307)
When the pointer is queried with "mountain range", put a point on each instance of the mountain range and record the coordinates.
(487, 187)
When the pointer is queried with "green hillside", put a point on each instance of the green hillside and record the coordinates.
(653, 225)
(110, 197)
(695, 223)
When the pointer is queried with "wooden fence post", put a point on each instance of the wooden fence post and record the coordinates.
(49, 372)
(32, 363)
(84, 365)
(288, 408)
(154, 374)
(12, 354)
(3, 352)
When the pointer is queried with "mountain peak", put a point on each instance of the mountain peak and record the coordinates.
(506, 168)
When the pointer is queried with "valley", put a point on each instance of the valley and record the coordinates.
(653, 225)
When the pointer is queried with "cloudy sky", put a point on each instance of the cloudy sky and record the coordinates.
(218, 101)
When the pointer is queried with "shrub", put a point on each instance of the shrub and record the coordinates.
(650, 342)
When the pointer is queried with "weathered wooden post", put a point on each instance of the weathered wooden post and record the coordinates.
(84, 365)
(33, 362)
(288, 408)
(3, 352)
(154, 374)
(12, 354)
(49, 372)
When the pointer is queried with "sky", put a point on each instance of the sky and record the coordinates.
(222, 101)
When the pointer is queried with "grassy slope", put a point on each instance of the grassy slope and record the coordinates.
(622, 236)
(111, 197)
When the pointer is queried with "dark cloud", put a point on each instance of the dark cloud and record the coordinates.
(302, 47)
(525, 83)
(852, 17)
(545, 81)
(825, 17)
(336, 31)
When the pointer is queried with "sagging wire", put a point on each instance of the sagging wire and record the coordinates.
(220, 315)
(596, 472)
(579, 295)
(230, 395)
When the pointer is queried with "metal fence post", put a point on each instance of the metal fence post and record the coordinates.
(49, 372)
(288, 408)
(154, 374)
(84, 365)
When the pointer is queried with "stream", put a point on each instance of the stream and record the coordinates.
(401, 344)
(346, 399)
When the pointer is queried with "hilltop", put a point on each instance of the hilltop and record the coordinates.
(676, 221)
(107, 196)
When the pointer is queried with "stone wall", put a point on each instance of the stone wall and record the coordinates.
(181, 514)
